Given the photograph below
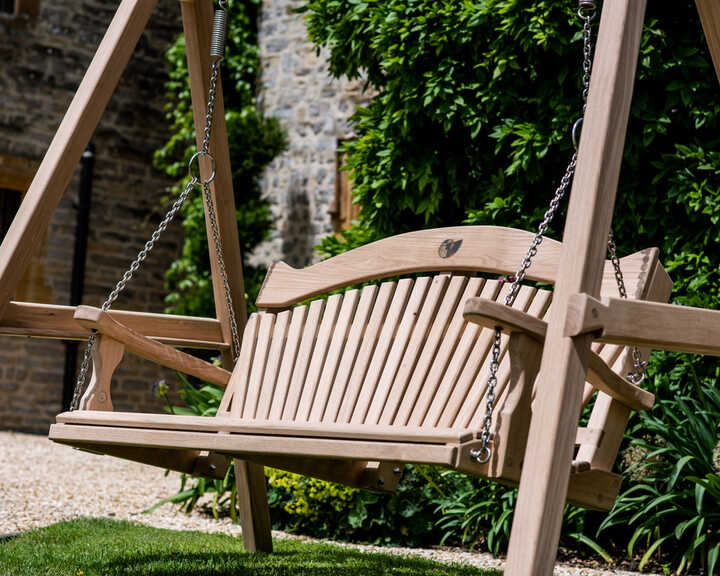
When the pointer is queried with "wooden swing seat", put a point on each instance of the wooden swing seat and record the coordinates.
(352, 386)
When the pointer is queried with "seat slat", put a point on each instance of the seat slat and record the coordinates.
(261, 427)
(415, 347)
(382, 349)
(319, 355)
(350, 353)
(397, 449)
(398, 350)
(329, 373)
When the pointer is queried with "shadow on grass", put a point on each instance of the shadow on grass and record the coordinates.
(110, 548)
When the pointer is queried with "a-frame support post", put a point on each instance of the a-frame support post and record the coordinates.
(66, 148)
(197, 18)
(546, 470)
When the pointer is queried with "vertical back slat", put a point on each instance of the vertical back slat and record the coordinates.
(241, 373)
(319, 354)
(287, 363)
(367, 347)
(415, 347)
(444, 354)
(440, 322)
(305, 351)
(259, 362)
(347, 364)
(275, 355)
(399, 348)
(471, 402)
(380, 354)
(469, 376)
(328, 378)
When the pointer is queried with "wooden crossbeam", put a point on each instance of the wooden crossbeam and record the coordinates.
(652, 324)
(53, 321)
(100, 321)
(490, 314)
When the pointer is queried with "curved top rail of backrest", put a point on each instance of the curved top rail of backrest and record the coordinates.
(488, 249)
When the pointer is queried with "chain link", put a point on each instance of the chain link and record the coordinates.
(172, 212)
(586, 12)
(637, 376)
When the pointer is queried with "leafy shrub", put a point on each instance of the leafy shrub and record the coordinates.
(674, 506)
(253, 140)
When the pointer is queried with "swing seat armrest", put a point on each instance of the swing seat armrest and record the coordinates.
(100, 321)
(491, 314)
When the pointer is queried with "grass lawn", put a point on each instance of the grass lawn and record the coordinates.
(97, 547)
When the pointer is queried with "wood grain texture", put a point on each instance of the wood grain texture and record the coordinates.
(106, 355)
(235, 444)
(197, 17)
(652, 324)
(544, 481)
(53, 321)
(709, 11)
(490, 314)
(230, 425)
(57, 167)
(488, 249)
(99, 320)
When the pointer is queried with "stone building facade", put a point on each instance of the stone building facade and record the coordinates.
(44, 52)
(303, 184)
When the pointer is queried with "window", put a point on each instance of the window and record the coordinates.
(342, 210)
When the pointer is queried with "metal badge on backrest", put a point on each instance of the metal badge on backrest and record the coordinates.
(449, 248)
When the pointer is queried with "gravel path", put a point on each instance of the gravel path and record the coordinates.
(42, 483)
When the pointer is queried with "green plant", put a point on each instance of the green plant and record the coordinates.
(473, 511)
(674, 506)
(253, 140)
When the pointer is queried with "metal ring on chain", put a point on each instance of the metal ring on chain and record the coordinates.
(575, 133)
(195, 161)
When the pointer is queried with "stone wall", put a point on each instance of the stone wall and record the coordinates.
(295, 87)
(42, 60)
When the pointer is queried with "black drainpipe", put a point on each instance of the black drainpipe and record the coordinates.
(78, 270)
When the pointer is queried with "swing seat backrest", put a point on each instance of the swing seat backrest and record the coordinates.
(399, 353)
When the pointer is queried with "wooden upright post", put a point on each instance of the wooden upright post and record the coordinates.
(197, 18)
(544, 481)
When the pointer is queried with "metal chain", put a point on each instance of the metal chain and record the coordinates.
(586, 12)
(637, 376)
(150, 244)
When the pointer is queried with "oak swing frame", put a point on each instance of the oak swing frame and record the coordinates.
(577, 316)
